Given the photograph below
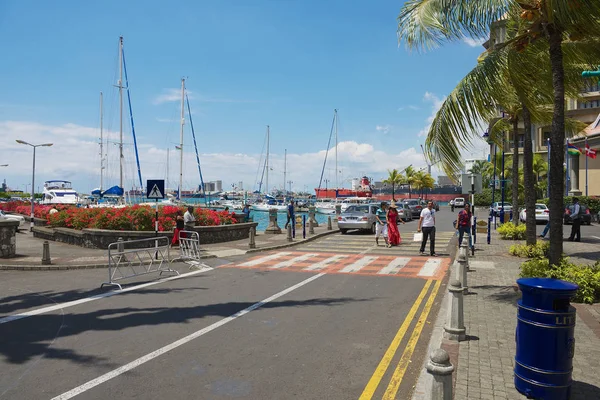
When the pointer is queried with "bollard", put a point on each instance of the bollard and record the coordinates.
(311, 215)
(273, 228)
(440, 367)
(463, 266)
(120, 245)
(455, 328)
(311, 227)
(252, 243)
(46, 253)
(289, 233)
(329, 223)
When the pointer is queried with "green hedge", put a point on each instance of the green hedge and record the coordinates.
(538, 250)
(593, 203)
(587, 277)
(510, 231)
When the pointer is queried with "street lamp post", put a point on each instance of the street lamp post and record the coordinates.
(502, 185)
(33, 175)
(486, 137)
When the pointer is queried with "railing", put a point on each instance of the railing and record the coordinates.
(124, 263)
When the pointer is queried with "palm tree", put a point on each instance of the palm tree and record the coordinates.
(540, 167)
(545, 23)
(409, 174)
(394, 178)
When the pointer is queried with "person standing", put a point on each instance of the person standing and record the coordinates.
(179, 226)
(381, 228)
(463, 225)
(246, 212)
(427, 224)
(188, 219)
(290, 214)
(575, 216)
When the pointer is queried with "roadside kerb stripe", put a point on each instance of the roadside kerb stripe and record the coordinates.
(394, 266)
(150, 356)
(294, 260)
(385, 362)
(265, 258)
(392, 389)
(60, 306)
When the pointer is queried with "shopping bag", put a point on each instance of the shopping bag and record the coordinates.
(418, 237)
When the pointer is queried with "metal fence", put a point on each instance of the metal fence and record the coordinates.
(189, 249)
(149, 255)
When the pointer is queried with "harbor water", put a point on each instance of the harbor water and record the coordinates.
(262, 217)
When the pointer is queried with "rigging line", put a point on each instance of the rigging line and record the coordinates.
(260, 162)
(327, 152)
(195, 145)
(137, 157)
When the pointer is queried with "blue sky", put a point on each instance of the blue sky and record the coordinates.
(287, 64)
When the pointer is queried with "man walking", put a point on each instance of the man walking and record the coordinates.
(427, 223)
(290, 214)
(381, 227)
(575, 216)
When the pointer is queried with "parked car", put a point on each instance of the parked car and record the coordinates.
(498, 205)
(542, 213)
(361, 216)
(14, 217)
(414, 205)
(459, 202)
(586, 216)
(436, 206)
(404, 212)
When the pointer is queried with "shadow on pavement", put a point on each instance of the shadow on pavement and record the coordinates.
(504, 294)
(584, 391)
(590, 255)
(28, 338)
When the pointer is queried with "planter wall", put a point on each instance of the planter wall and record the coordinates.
(101, 238)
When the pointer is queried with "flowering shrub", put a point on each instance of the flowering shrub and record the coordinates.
(131, 218)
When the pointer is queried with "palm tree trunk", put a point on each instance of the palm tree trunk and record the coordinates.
(515, 171)
(528, 178)
(393, 192)
(557, 146)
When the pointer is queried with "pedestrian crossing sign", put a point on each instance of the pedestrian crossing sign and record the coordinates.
(155, 189)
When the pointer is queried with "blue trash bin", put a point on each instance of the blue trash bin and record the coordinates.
(545, 338)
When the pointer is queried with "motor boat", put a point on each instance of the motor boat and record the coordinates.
(59, 192)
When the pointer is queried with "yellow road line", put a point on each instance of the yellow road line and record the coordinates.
(371, 387)
(400, 370)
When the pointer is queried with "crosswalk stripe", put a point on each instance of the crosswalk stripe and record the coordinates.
(430, 267)
(359, 264)
(292, 261)
(325, 263)
(264, 259)
(394, 266)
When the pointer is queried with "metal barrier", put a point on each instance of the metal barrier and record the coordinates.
(126, 263)
(189, 248)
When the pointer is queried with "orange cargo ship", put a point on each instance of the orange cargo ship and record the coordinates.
(362, 189)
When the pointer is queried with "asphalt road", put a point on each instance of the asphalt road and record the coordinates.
(339, 319)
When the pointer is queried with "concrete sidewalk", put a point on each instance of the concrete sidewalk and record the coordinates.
(485, 361)
(66, 256)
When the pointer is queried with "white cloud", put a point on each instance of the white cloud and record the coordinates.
(436, 103)
(474, 42)
(409, 107)
(75, 157)
(174, 95)
(385, 129)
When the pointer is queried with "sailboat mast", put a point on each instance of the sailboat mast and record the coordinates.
(336, 149)
(101, 143)
(284, 169)
(267, 180)
(181, 138)
(121, 112)
(167, 168)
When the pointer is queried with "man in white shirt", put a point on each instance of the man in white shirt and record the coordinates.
(189, 220)
(427, 223)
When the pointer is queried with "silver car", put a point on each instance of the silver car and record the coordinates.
(361, 216)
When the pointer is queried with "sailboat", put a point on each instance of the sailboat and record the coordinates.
(269, 201)
(360, 188)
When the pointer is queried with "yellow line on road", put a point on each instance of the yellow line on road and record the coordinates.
(392, 389)
(371, 387)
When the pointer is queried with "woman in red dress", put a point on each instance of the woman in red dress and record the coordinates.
(392, 221)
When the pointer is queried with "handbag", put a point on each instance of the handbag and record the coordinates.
(418, 237)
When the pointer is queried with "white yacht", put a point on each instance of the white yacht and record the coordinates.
(59, 192)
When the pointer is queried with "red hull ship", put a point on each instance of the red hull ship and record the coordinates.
(363, 189)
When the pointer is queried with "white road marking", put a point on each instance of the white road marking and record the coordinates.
(291, 262)
(394, 266)
(73, 303)
(325, 263)
(157, 353)
(595, 237)
(265, 258)
(430, 267)
(359, 264)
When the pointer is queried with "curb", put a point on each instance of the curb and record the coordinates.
(291, 244)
